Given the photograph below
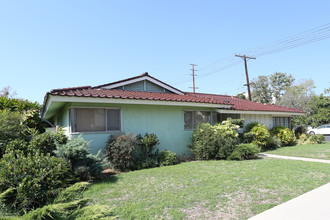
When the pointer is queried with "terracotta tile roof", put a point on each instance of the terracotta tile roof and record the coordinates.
(237, 103)
(245, 105)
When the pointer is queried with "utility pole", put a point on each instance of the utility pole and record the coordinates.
(193, 75)
(244, 57)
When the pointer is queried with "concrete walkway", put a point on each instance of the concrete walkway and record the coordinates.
(295, 158)
(313, 205)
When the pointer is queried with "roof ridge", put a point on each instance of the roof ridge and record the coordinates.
(71, 88)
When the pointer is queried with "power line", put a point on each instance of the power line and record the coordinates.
(244, 57)
(193, 75)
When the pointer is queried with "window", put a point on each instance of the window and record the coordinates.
(95, 119)
(194, 118)
(223, 117)
(282, 121)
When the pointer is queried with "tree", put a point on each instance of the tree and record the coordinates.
(298, 96)
(279, 83)
(7, 92)
(261, 90)
(241, 95)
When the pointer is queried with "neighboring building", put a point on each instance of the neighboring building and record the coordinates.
(145, 104)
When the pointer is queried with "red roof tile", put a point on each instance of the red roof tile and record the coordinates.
(237, 103)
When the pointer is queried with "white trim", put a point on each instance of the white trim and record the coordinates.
(141, 79)
(129, 101)
(259, 112)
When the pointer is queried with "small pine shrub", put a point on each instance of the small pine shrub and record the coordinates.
(286, 136)
(300, 130)
(29, 181)
(249, 137)
(261, 135)
(239, 122)
(76, 151)
(120, 151)
(245, 152)
(249, 126)
(167, 158)
(71, 193)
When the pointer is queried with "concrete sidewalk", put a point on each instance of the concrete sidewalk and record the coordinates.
(295, 158)
(313, 205)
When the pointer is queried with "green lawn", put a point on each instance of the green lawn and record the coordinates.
(318, 151)
(208, 189)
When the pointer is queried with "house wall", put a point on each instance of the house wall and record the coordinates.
(267, 120)
(164, 121)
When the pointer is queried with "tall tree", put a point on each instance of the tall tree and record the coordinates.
(7, 92)
(279, 83)
(261, 90)
(298, 96)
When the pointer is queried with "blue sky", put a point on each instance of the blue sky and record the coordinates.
(56, 44)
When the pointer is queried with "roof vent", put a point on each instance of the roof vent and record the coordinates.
(145, 74)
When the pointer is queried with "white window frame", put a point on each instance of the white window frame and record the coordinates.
(190, 110)
(71, 117)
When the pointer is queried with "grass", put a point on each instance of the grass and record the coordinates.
(208, 189)
(317, 151)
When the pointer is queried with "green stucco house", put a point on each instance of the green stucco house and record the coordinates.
(145, 104)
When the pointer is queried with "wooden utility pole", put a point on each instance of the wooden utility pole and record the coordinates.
(244, 57)
(193, 75)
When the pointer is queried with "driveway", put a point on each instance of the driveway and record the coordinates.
(327, 137)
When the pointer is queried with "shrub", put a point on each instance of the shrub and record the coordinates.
(46, 142)
(261, 135)
(84, 164)
(11, 128)
(29, 181)
(167, 158)
(120, 151)
(286, 136)
(249, 137)
(146, 153)
(273, 143)
(249, 126)
(214, 141)
(300, 130)
(239, 122)
(316, 139)
(245, 152)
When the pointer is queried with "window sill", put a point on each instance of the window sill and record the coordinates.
(96, 132)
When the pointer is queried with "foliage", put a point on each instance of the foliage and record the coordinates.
(120, 151)
(249, 126)
(241, 96)
(214, 141)
(146, 152)
(273, 143)
(316, 139)
(249, 137)
(261, 135)
(167, 158)
(46, 142)
(70, 205)
(261, 90)
(300, 130)
(245, 152)
(29, 110)
(239, 122)
(29, 181)
(11, 128)
(286, 136)
(84, 164)
(279, 83)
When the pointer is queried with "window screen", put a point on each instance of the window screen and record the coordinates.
(113, 119)
(89, 119)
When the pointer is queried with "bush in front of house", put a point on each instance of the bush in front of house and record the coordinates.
(29, 181)
(249, 126)
(286, 136)
(262, 135)
(167, 158)
(212, 142)
(239, 122)
(84, 164)
(120, 151)
(245, 152)
(273, 143)
(146, 152)
(316, 139)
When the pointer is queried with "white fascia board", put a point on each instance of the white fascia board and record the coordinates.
(130, 101)
(141, 79)
(259, 112)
